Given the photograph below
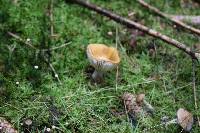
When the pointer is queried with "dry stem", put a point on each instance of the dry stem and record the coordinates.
(33, 47)
(133, 24)
(176, 21)
(194, 88)
(185, 18)
(45, 50)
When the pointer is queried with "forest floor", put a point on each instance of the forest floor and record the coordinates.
(162, 72)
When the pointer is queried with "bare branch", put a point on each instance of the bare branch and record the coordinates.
(194, 88)
(133, 24)
(186, 18)
(176, 21)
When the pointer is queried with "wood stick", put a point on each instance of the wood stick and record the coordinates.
(176, 21)
(51, 18)
(133, 24)
(186, 18)
(194, 88)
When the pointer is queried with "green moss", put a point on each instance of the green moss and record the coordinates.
(84, 107)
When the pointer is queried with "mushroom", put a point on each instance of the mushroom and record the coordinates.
(184, 119)
(136, 107)
(103, 59)
(27, 124)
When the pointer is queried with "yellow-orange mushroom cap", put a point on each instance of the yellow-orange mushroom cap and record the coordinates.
(102, 57)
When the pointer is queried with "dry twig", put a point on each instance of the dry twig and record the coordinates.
(21, 40)
(176, 21)
(133, 24)
(33, 47)
(194, 88)
(45, 50)
(58, 47)
(51, 18)
(185, 18)
(53, 70)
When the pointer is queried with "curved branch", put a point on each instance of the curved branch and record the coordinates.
(133, 24)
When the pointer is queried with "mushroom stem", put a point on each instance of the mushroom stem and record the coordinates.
(148, 107)
(97, 76)
(173, 121)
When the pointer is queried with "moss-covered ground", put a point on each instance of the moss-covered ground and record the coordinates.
(78, 105)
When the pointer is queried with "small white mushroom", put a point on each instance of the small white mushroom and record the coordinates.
(28, 39)
(56, 75)
(36, 67)
(103, 59)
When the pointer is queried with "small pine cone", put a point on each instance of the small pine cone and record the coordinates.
(135, 104)
(6, 127)
(129, 100)
(131, 105)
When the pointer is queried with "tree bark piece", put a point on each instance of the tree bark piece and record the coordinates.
(132, 24)
(176, 21)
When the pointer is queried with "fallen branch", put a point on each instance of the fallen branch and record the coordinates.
(194, 88)
(132, 24)
(185, 18)
(176, 21)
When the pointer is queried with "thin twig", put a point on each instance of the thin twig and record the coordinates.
(194, 88)
(58, 47)
(33, 47)
(176, 21)
(53, 70)
(117, 69)
(51, 18)
(133, 24)
(186, 18)
(21, 40)
(45, 58)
